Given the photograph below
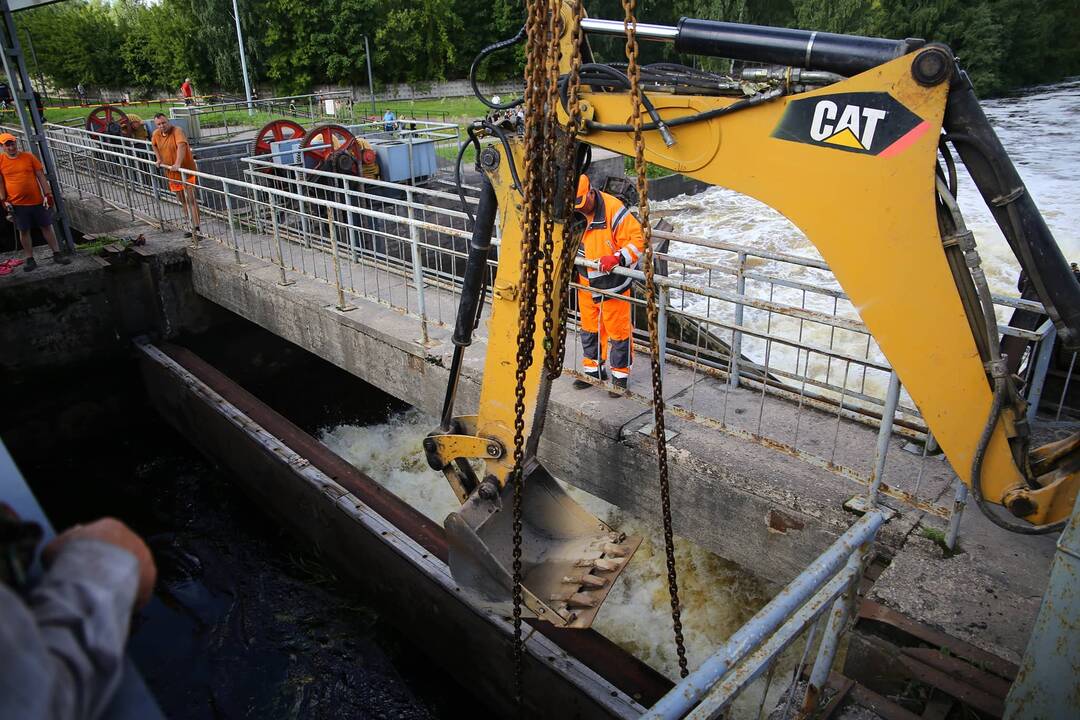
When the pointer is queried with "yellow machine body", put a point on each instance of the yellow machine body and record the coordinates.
(871, 214)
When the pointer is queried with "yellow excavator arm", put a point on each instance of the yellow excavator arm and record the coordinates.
(854, 165)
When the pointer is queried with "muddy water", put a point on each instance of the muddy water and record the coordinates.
(717, 596)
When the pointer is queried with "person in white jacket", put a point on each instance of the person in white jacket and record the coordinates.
(62, 638)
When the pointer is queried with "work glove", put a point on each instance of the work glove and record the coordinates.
(608, 263)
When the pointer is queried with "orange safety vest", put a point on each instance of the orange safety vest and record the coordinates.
(613, 230)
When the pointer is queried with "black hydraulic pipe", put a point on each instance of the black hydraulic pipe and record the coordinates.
(472, 288)
(1014, 209)
(843, 54)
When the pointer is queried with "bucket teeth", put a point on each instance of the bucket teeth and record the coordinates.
(602, 564)
(586, 580)
(616, 550)
(577, 599)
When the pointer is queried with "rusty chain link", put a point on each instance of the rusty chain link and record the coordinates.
(550, 159)
(633, 70)
(541, 34)
(554, 358)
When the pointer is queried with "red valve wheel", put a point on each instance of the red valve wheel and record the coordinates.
(276, 131)
(108, 120)
(325, 140)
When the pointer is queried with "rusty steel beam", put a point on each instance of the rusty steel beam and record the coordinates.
(870, 610)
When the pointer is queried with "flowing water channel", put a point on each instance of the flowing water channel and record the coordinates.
(717, 595)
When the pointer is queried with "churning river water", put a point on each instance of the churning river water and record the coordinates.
(1039, 130)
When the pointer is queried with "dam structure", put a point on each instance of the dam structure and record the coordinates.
(789, 435)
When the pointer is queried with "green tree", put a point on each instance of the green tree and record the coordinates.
(77, 42)
(417, 40)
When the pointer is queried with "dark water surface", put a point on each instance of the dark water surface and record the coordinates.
(245, 622)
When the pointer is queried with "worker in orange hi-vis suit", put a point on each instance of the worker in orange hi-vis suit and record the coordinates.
(612, 238)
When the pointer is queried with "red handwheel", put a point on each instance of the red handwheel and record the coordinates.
(276, 131)
(108, 120)
(325, 140)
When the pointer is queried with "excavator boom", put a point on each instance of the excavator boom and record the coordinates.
(843, 139)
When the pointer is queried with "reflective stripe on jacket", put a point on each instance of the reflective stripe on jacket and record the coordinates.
(613, 230)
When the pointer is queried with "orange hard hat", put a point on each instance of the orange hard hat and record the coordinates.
(582, 191)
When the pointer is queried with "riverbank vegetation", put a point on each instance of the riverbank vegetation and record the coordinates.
(294, 46)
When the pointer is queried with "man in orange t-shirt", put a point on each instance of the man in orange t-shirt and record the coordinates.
(26, 195)
(174, 153)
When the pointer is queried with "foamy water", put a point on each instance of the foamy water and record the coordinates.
(716, 595)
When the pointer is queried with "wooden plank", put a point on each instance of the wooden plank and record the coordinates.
(866, 698)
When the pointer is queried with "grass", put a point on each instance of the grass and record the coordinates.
(459, 109)
(94, 246)
(651, 171)
(938, 538)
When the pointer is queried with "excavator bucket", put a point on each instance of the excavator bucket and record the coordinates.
(570, 559)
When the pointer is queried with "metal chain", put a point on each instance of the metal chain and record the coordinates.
(554, 359)
(536, 58)
(633, 70)
(550, 170)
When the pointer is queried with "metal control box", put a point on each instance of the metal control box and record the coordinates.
(405, 159)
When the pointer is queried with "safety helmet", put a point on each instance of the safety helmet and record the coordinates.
(582, 191)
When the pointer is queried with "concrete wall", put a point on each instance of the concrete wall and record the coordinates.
(61, 316)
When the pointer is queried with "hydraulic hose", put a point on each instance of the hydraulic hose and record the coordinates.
(698, 117)
(475, 67)
(597, 75)
(457, 171)
(1013, 208)
(1000, 380)
(603, 76)
(976, 473)
(473, 286)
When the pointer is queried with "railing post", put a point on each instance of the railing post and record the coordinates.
(736, 336)
(277, 238)
(888, 413)
(830, 641)
(959, 503)
(337, 260)
(1045, 349)
(125, 172)
(229, 219)
(354, 235)
(417, 267)
(75, 172)
(156, 198)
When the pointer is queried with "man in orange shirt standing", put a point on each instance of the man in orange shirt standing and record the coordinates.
(26, 194)
(174, 153)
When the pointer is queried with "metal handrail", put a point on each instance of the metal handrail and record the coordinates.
(819, 588)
